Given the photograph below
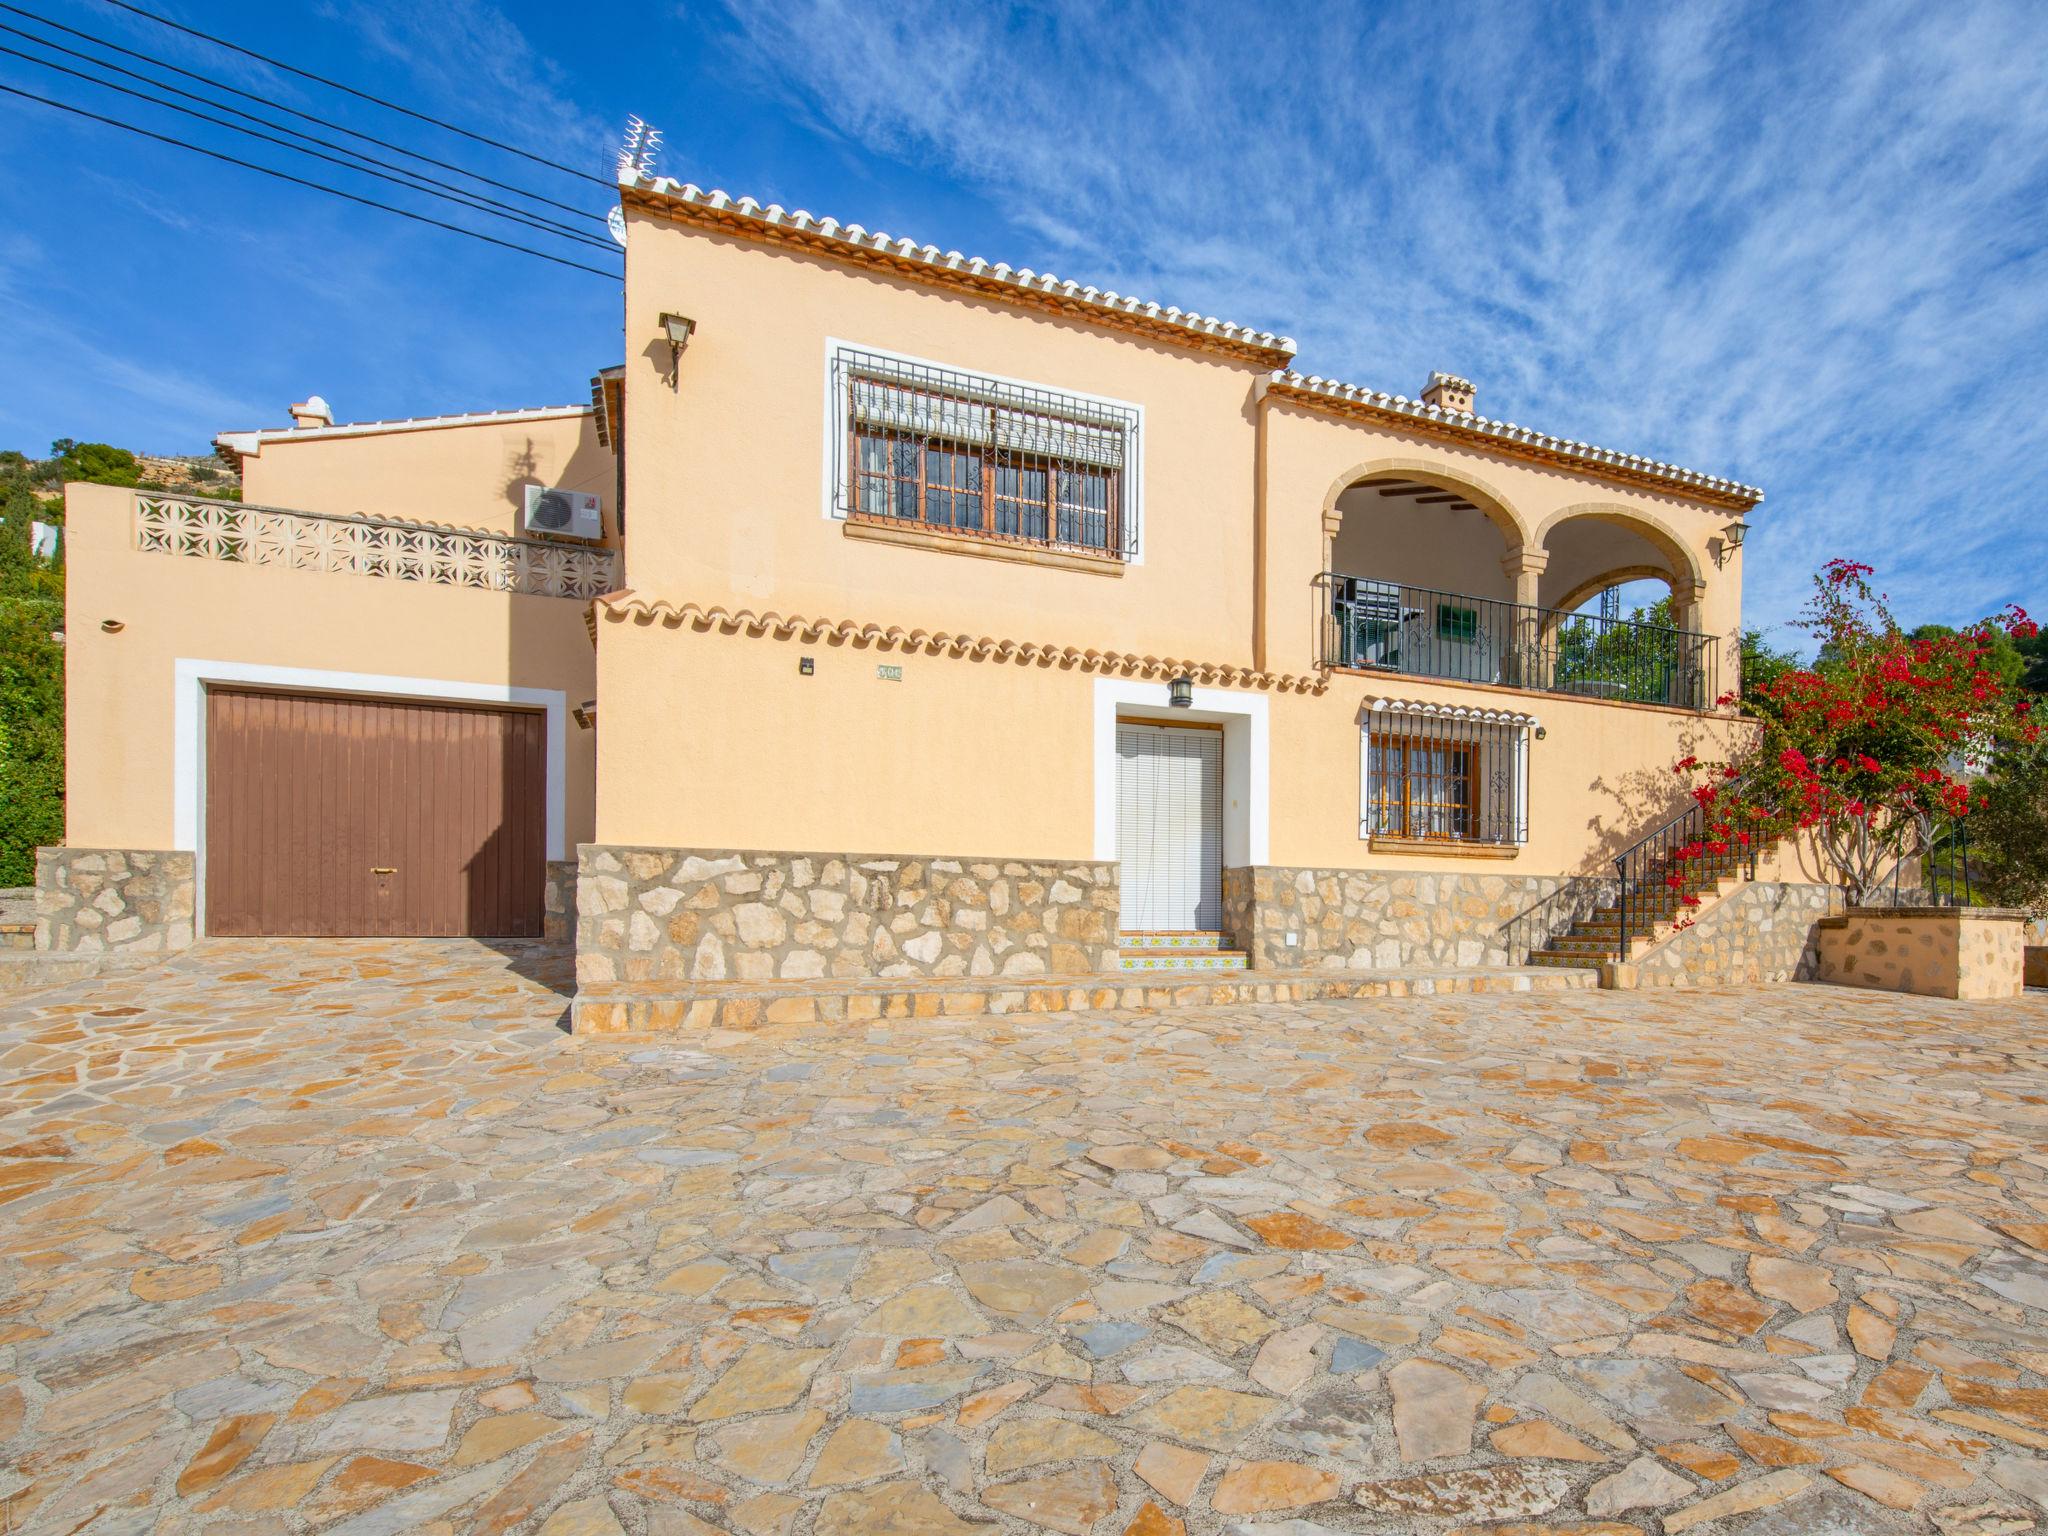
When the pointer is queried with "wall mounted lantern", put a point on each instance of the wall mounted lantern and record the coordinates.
(678, 329)
(1731, 538)
(1180, 693)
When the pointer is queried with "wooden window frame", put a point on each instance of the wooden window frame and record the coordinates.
(1380, 747)
(1057, 473)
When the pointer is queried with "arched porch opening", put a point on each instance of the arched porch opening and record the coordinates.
(1639, 653)
(1422, 574)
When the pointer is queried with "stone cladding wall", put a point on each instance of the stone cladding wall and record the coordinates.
(113, 900)
(1356, 919)
(558, 902)
(651, 914)
(1763, 931)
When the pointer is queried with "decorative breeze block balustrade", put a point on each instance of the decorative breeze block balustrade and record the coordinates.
(371, 546)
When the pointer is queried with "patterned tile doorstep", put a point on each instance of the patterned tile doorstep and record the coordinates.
(353, 1238)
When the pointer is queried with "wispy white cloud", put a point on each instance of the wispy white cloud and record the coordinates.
(1804, 246)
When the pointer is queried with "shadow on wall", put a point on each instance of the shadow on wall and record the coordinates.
(589, 468)
(1643, 800)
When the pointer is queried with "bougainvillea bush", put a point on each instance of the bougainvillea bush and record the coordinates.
(1869, 750)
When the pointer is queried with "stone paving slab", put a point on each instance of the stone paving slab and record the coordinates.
(355, 1238)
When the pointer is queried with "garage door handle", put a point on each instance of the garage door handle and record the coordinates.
(383, 871)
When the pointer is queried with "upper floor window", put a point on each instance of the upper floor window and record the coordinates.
(983, 456)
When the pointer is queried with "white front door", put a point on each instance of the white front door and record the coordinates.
(1169, 827)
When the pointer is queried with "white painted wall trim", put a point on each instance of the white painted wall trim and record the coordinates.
(188, 772)
(1247, 771)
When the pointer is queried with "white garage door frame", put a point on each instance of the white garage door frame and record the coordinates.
(192, 676)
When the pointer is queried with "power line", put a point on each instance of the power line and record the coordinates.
(268, 101)
(367, 202)
(307, 74)
(413, 182)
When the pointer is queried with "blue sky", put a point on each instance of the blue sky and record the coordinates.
(1805, 246)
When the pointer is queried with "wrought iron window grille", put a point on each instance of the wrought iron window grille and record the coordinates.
(1444, 774)
(917, 443)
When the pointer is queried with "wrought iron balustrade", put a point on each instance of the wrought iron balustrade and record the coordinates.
(1423, 632)
(243, 534)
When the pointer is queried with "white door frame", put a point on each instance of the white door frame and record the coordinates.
(1246, 765)
(188, 732)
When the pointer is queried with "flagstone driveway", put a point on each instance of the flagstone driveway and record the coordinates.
(352, 1238)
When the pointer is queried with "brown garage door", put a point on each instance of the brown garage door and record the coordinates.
(333, 817)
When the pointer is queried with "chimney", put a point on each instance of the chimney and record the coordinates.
(315, 412)
(1448, 392)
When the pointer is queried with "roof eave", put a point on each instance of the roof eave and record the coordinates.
(1401, 414)
(850, 243)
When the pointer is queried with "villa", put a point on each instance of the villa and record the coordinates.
(903, 616)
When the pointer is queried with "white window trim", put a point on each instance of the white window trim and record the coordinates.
(835, 424)
(188, 750)
(1247, 767)
(1387, 716)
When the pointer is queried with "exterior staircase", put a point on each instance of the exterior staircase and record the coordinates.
(1652, 910)
(1177, 952)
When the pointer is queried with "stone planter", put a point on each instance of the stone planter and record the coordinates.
(1958, 952)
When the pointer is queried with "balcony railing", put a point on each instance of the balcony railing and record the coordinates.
(393, 548)
(1421, 632)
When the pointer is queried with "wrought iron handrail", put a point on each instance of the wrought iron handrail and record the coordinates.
(1425, 632)
(1650, 858)
(1535, 926)
(1944, 868)
(247, 533)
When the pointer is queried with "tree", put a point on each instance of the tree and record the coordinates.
(31, 687)
(2008, 826)
(97, 463)
(1762, 665)
(1866, 750)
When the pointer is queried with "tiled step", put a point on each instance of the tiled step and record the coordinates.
(17, 936)
(1568, 959)
(1158, 938)
(1189, 959)
(662, 1007)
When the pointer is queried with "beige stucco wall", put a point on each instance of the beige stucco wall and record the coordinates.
(729, 464)
(119, 688)
(730, 467)
(473, 475)
(712, 739)
(1935, 952)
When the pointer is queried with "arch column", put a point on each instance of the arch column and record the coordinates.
(1688, 596)
(1524, 663)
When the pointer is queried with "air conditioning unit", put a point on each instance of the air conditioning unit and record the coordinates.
(565, 514)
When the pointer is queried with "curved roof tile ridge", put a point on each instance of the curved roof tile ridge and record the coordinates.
(1525, 437)
(830, 230)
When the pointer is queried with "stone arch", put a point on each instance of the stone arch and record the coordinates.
(1585, 590)
(1684, 571)
(1496, 507)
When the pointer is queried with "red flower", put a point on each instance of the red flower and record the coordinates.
(1868, 763)
(1685, 765)
(1688, 901)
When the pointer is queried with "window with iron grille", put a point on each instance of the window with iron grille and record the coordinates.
(915, 443)
(1436, 774)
